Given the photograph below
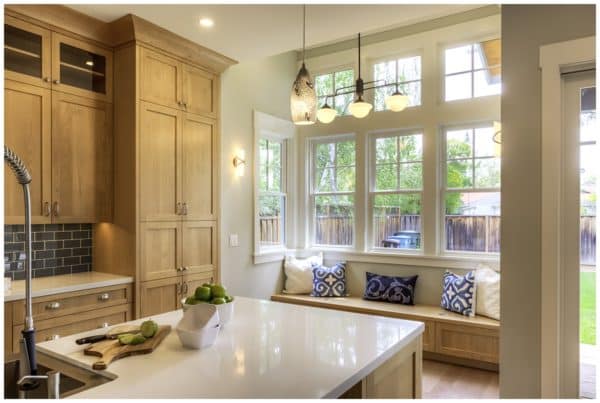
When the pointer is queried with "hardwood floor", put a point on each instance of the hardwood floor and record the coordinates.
(447, 381)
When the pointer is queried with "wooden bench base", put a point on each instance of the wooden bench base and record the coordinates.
(448, 336)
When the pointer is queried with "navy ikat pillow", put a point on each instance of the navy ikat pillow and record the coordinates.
(458, 294)
(329, 281)
(400, 290)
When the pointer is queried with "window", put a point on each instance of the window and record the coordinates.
(406, 71)
(472, 190)
(332, 191)
(326, 84)
(473, 70)
(396, 185)
(271, 192)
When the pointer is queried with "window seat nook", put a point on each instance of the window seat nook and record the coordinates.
(448, 336)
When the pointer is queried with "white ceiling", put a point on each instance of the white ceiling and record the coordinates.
(250, 31)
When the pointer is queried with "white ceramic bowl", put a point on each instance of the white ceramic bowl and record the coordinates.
(225, 310)
(198, 339)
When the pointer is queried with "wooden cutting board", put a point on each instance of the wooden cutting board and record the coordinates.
(112, 350)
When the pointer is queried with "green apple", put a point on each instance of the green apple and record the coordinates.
(218, 291)
(203, 293)
(228, 298)
(218, 301)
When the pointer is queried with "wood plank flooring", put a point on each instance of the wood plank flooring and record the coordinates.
(447, 381)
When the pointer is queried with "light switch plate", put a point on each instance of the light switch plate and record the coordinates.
(233, 240)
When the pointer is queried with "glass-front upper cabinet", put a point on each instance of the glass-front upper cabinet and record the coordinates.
(81, 68)
(26, 52)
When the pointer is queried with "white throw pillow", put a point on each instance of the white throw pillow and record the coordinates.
(299, 274)
(488, 292)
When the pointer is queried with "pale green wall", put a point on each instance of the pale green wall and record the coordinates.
(263, 85)
(524, 30)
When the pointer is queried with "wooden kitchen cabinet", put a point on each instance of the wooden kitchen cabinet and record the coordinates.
(81, 159)
(199, 89)
(192, 281)
(160, 296)
(27, 132)
(199, 246)
(160, 246)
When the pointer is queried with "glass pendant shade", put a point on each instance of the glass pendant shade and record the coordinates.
(326, 114)
(359, 108)
(396, 102)
(303, 101)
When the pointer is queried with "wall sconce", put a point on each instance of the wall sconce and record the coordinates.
(497, 139)
(239, 162)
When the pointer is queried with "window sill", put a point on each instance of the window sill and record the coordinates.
(274, 255)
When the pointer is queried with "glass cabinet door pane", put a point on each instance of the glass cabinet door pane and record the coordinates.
(82, 69)
(22, 51)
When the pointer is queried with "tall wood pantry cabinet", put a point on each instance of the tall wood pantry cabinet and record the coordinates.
(58, 119)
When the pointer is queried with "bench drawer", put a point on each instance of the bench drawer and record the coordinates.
(53, 306)
(67, 325)
(470, 342)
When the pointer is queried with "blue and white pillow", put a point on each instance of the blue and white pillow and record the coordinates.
(459, 293)
(329, 281)
(400, 290)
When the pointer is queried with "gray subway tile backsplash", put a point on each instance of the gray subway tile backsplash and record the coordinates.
(56, 249)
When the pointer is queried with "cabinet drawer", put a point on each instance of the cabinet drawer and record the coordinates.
(67, 325)
(467, 342)
(65, 304)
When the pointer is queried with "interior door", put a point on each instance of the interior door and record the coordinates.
(160, 80)
(198, 167)
(160, 182)
(81, 159)
(27, 126)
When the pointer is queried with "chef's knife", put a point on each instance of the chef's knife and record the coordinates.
(111, 334)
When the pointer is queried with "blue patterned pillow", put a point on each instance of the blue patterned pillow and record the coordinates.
(329, 281)
(459, 293)
(400, 290)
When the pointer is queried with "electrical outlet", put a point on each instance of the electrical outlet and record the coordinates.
(233, 240)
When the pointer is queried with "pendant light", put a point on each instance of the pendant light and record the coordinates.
(396, 102)
(303, 100)
(359, 108)
(326, 114)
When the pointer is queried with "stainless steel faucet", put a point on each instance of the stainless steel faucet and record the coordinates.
(28, 365)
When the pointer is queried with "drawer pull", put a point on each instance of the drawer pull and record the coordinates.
(53, 337)
(104, 325)
(53, 305)
(104, 297)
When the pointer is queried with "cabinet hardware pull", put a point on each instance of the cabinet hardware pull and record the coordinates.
(56, 209)
(185, 211)
(185, 288)
(47, 211)
(104, 297)
(178, 289)
(47, 79)
(185, 268)
(105, 324)
(56, 81)
(53, 305)
(53, 337)
(185, 105)
(178, 209)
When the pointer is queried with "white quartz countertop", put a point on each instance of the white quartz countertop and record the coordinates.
(50, 285)
(267, 350)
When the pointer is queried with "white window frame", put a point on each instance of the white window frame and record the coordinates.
(371, 178)
(395, 58)
(444, 189)
(312, 144)
(334, 70)
(282, 131)
(473, 70)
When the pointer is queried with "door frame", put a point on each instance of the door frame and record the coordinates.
(557, 377)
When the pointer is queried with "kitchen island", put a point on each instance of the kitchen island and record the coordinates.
(268, 350)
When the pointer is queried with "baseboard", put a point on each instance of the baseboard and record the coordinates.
(465, 362)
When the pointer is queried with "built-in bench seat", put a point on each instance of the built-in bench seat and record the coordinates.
(448, 336)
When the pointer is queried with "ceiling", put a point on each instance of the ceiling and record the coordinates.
(252, 31)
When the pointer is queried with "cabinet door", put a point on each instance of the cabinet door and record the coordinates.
(191, 281)
(199, 167)
(80, 68)
(27, 126)
(81, 159)
(160, 255)
(199, 250)
(160, 79)
(160, 182)
(199, 91)
(160, 296)
(26, 52)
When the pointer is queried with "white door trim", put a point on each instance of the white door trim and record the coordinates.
(554, 58)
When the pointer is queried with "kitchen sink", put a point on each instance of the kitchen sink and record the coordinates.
(72, 379)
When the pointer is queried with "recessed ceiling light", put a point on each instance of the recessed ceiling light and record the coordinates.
(206, 22)
(89, 63)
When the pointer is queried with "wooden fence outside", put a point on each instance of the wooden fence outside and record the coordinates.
(587, 225)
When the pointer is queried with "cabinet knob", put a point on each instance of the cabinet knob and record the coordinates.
(180, 269)
(56, 208)
(185, 288)
(178, 209)
(53, 337)
(185, 210)
(56, 81)
(104, 297)
(104, 325)
(53, 306)
(47, 79)
(185, 105)
(185, 268)
(179, 287)
(47, 211)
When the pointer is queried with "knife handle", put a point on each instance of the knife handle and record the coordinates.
(91, 339)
